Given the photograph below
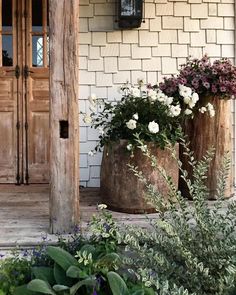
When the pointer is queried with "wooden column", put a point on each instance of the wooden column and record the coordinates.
(64, 123)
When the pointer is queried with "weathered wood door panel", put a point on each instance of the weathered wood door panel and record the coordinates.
(37, 90)
(24, 92)
(7, 130)
(9, 94)
(38, 117)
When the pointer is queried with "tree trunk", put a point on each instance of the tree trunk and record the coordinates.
(205, 132)
(120, 188)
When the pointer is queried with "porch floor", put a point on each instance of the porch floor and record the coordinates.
(24, 214)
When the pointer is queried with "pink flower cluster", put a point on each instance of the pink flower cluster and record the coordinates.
(204, 77)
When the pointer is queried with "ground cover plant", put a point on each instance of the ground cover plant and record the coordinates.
(189, 249)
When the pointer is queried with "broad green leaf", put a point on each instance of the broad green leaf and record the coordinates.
(86, 282)
(44, 273)
(138, 292)
(117, 284)
(2, 292)
(40, 286)
(149, 291)
(61, 277)
(23, 290)
(59, 288)
(75, 272)
(61, 257)
(88, 248)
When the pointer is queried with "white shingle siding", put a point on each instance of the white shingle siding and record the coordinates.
(172, 31)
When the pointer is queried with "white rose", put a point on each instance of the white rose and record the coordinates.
(168, 100)
(188, 112)
(131, 124)
(92, 99)
(212, 113)
(87, 119)
(152, 95)
(161, 96)
(135, 92)
(209, 106)
(187, 99)
(135, 116)
(129, 147)
(191, 104)
(195, 97)
(185, 91)
(202, 110)
(153, 127)
(175, 111)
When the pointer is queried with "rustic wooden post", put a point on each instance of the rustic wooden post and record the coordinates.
(64, 150)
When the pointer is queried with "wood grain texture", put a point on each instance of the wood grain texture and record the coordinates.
(121, 190)
(64, 152)
(24, 214)
(204, 133)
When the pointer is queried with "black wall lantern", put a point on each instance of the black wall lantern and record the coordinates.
(130, 13)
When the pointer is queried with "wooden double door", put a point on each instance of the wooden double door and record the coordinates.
(24, 92)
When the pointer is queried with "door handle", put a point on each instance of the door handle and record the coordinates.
(27, 71)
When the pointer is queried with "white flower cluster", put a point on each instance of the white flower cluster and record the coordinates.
(208, 108)
(153, 127)
(159, 96)
(190, 98)
(92, 107)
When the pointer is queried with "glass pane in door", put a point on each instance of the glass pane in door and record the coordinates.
(7, 15)
(37, 16)
(7, 51)
(37, 51)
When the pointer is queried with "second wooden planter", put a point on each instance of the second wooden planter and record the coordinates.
(205, 132)
(120, 188)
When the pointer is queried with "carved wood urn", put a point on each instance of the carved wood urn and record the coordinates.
(121, 190)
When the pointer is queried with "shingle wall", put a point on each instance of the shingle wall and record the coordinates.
(172, 31)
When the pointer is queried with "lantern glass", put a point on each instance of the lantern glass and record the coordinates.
(130, 13)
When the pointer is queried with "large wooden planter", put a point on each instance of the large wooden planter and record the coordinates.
(204, 133)
(120, 188)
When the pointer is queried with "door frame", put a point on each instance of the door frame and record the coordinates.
(64, 124)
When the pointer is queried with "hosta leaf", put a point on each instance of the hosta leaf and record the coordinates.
(61, 277)
(59, 288)
(61, 257)
(40, 286)
(86, 282)
(22, 290)
(44, 273)
(75, 272)
(117, 284)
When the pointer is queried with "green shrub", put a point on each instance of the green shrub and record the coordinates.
(191, 248)
(14, 271)
(93, 272)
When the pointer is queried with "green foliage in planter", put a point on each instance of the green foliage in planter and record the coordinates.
(14, 271)
(191, 248)
(93, 272)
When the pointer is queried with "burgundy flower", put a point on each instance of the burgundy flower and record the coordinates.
(222, 88)
(206, 85)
